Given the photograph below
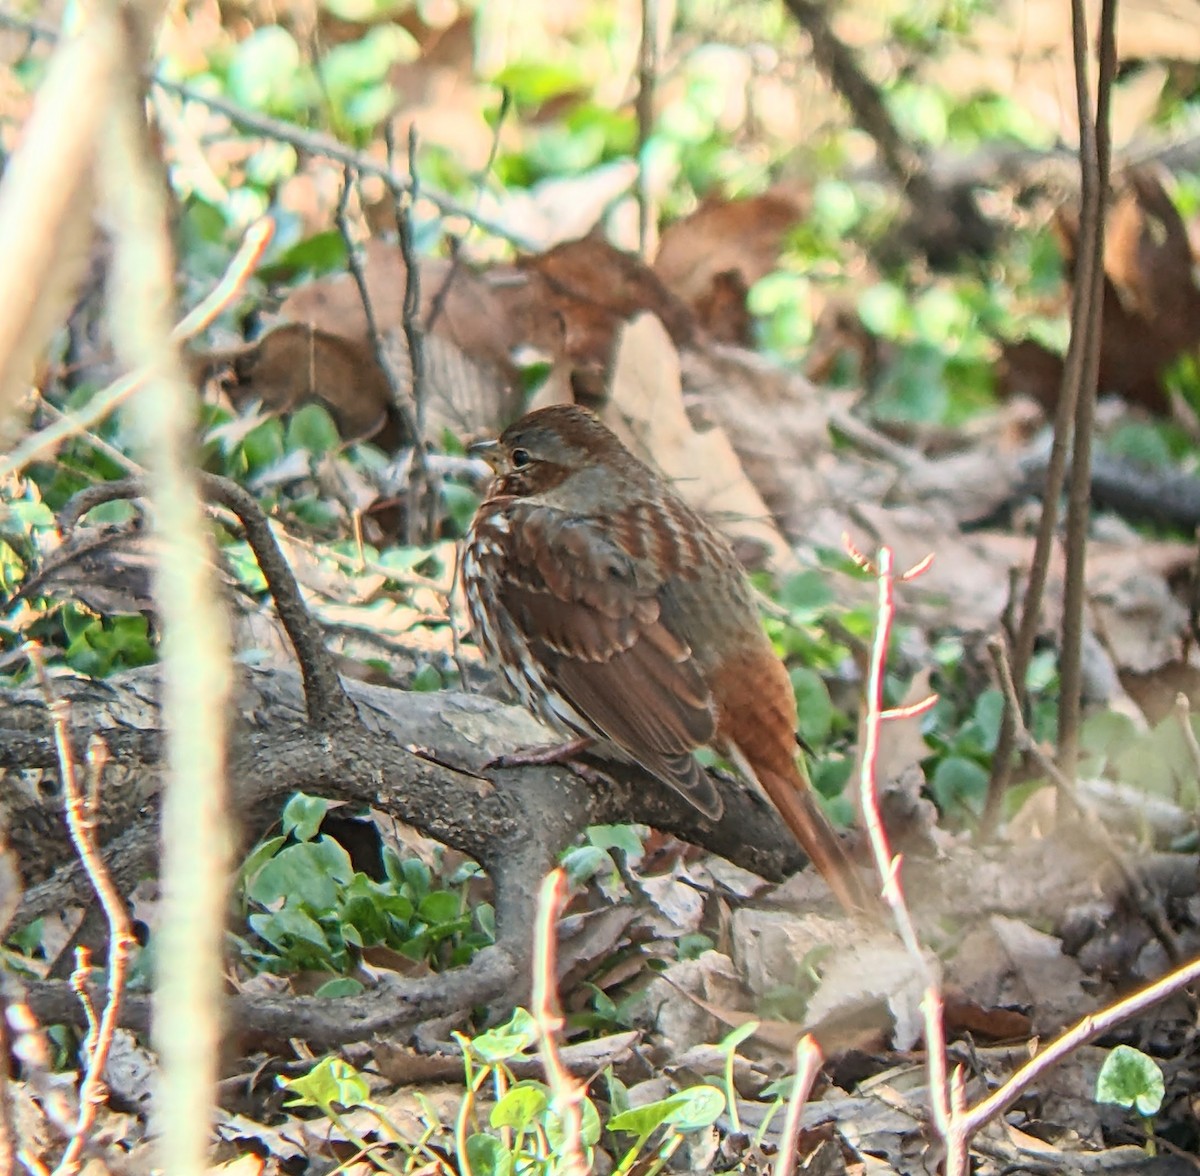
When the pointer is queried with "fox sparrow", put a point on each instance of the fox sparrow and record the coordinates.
(619, 615)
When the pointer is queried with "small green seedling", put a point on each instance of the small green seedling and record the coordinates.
(1130, 1079)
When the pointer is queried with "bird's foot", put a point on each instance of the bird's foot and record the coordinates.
(543, 756)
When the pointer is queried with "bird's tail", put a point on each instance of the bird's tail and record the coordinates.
(803, 815)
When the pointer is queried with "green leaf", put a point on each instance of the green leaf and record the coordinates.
(692, 946)
(941, 316)
(813, 705)
(264, 69)
(439, 906)
(341, 986)
(689, 1110)
(507, 1040)
(989, 715)
(883, 309)
(488, 1156)
(959, 782)
(1131, 1079)
(584, 862)
(626, 838)
(260, 855)
(808, 593)
(302, 815)
(329, 1081)
(312, 428)
(699, 1106)
(589, 1132)
(735, 1037)
(426, 680)
(521, 1106)
(306, 873)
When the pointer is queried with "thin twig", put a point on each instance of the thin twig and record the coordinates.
(1093, 158)
(97, 443)
(325, 698)
(121, 942)
(438, 303)
(195, 644)
(1074, 373)
(1183, 712)
(807, 1061)
(647, 81)
(567, 1093)
(1079, 1034)
(402, 398)
(1148, 905)
(257, 238)
(887, 864)
(421, 485)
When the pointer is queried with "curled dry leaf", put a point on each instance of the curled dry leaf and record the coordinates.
(573, 300)
(711, 258)
(1151, 309)
(321, 350)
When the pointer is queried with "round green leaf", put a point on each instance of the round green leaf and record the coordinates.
(813, 705)
(1129, 1078)
(264, 68)
(302, 816)
(959, 782)
(488, 1156)
(521, 1106)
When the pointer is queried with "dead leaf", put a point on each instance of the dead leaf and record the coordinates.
(321, 350)
(1005, 963)
(296, 364)
(711, 258)
(1151, 309)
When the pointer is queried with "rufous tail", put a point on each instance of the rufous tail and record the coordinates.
(803, 815)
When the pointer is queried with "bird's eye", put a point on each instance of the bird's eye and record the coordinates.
(520, 458)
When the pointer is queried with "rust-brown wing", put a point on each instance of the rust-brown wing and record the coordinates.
(594, 619)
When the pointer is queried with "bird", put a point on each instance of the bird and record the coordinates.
(622, 618)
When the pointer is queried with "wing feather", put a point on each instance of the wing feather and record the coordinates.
(594, 620)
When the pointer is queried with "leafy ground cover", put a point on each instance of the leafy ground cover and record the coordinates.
(458, 198)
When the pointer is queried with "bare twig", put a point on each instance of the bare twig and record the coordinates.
(566, 1092)
(887, 864)
(807, 1060)
(1072, 388)
(1183, 712)
(1079, 1034)
(80, 822)
(325, 699)
(195, 650)
(253, 244)
(1094, 159)
(438, 303)
(97, 443)
(422, 488)
(647, 81)
(1148, 905)
(404, 398)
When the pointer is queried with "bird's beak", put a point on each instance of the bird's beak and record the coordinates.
(490, 451)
